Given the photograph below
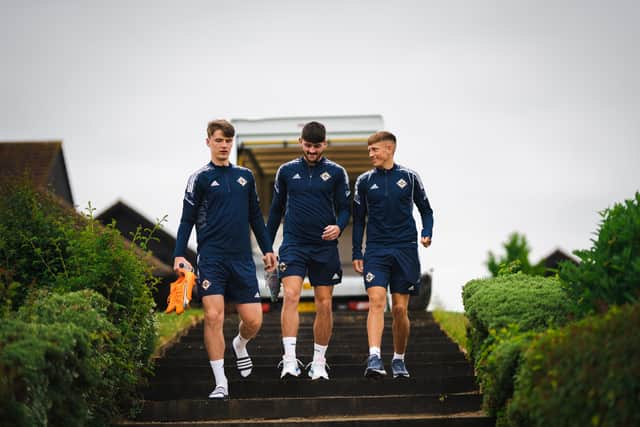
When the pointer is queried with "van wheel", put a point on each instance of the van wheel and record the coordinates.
(420, 302)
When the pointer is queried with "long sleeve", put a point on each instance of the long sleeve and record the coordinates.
(424, 207)
(359, 216)
(256, 220)
(189, 214)
(278, 204)
(342, 201)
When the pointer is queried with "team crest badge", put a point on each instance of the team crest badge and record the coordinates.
(401, 183)
(242, 181)
(206, 284)
(325, 176)
(282, 266)
(369, 277)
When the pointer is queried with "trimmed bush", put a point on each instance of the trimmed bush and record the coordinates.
(531, 303)
(587, 373)
(609, 272)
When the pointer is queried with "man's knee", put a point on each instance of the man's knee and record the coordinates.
(399, 311)
(291, 296)
(253, 323)
(214, 318)
(377, 302)
(323, 305)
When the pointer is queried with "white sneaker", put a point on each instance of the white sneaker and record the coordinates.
(318, 370)
(290, 367)
(220, 392)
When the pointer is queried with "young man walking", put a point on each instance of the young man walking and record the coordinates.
(222, 202)
(312, 193)
(385, 196)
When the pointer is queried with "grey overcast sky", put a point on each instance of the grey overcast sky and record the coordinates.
(519, 115)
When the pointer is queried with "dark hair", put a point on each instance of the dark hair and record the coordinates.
(223, 125)
(382, 135)
(314, 132)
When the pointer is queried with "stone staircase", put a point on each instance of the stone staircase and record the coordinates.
(441, 391)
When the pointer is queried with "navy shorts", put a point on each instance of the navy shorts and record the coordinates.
(232, 277)
(320, 263)
(399, 268)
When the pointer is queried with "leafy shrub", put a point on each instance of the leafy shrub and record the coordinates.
(44, 373)
(531, 303)
(33, 241)
(99, 259)
(587, 373)
(609, 272)
(497, 365)
(45, 245)
(107, 354)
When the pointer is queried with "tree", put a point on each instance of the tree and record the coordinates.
(515, 259)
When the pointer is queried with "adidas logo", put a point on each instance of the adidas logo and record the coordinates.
(374, 187)
(257, 295)
(335, 276)
(411, 288)
(296, 176)
(215, 183)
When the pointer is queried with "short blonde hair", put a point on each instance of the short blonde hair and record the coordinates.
(382, 135)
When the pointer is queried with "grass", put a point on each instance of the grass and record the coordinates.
(454, 324)
(171, 325)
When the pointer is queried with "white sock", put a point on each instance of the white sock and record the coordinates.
(289, 344)
(218, 372)
(240, 346)
(374, 350)
(319, 352)
(398, 356)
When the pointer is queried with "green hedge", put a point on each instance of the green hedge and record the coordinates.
(609, 272)
(585, 374)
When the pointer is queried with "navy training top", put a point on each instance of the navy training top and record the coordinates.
(385, 198)
(222, 202)
(310, 197)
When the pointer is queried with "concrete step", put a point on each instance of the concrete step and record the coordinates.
(307, 337)
(275, 349)
(269, 407)
(270, 371)
(465, 419)
(179, 358)
(251, 387)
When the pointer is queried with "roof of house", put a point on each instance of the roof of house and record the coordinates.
(42, 161)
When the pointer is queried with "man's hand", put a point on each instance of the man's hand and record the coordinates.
(358, 265)
(270, 261)
(331, 232)
(181, 260)
(426, 241)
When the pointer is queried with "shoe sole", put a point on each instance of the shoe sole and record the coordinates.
(289, 375)
(226, 397)
(374, 373)
(400, 375)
